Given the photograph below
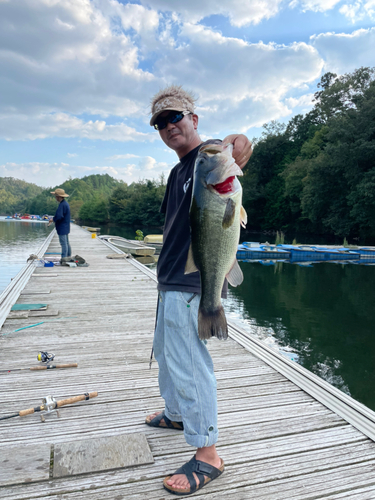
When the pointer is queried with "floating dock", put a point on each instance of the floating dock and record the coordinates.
(248, 250)
(304, 253)
(284, 432)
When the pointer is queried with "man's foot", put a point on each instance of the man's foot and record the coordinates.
(192, 476)
(159, 419)
(152, 416)
(207, 455)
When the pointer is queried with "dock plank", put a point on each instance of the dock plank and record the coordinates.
(277, 441)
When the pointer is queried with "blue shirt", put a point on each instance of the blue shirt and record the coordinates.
(62, 218)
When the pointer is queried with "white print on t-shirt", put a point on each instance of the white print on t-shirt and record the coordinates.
(186, 185)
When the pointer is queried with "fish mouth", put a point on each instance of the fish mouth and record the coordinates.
(226, 186)
(221, 179)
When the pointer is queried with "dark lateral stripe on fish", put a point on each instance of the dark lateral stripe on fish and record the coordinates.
(229, 214)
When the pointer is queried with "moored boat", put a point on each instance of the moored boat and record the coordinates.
(133, 247)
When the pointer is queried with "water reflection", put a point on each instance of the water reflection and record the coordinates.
(17, 241)
(323, 317)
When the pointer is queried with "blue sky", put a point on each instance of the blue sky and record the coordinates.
(76, 77)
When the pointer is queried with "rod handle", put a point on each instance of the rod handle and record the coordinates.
(50, 367)
(29, 411)
(75, 399)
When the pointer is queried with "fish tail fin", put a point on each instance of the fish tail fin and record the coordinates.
(212, 323)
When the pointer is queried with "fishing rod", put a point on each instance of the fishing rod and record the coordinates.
(41, 367)
(50, 404)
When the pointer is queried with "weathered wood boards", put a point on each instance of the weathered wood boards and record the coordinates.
(277, 442)
(24, 464)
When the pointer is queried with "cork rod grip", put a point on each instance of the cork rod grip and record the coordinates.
(30, 411)
(75, 399)
(50, 367)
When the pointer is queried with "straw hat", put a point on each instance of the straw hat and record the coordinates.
(172, 98)
(60, 192)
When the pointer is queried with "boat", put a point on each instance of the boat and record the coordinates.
(133, 247)
(26, 218)
(155, 240)
(91, 229)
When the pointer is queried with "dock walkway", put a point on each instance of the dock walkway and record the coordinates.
(277, 441)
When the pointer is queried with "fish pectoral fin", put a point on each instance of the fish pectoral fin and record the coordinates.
(229, 214)
(243, 217)
(190, 266)
(235, 276)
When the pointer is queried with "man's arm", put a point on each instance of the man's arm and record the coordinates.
(242, 149)
(59, 215)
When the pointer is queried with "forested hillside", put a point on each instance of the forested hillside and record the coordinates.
(317, 174)
(92, 189)
(14, 194)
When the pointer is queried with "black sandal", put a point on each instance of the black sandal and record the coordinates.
(169, 424)
(201, 469)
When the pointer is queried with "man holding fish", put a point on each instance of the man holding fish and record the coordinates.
(203, 214)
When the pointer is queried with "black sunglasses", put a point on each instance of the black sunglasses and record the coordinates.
(173, 117)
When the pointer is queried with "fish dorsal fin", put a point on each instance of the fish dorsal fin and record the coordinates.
(190, 266)
(230, 211)
(243, 217)
(235, 276)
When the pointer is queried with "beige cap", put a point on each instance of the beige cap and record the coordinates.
(60, 192)
(172, 98)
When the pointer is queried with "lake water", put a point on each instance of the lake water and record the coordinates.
(322, 317)
(17, 241)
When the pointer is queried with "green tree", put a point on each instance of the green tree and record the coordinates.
(95, 209)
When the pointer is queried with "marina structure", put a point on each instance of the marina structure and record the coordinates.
(305, 253)
(284, 432)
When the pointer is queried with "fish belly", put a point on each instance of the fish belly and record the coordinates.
(214, 251)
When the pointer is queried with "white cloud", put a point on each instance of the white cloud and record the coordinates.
(71, 155)
(42, 174)
(52, 174)
(345, 52)
(246, 85)
(316, 5)
(86, 69)
(122, 157)
(240, 12)
(84, 59)
(304, 101)
(20, 127)
(359, 10)
(67, 56)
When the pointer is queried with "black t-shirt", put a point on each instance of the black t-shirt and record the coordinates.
(176, 235)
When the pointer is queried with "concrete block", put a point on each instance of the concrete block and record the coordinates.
(100, 454)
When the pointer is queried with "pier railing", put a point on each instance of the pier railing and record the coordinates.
(10, 295)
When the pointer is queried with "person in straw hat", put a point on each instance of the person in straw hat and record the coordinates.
(62, 221)
(186, 375)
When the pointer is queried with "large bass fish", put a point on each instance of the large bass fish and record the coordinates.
(216, 214)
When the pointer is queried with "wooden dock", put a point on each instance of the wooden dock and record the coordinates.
(277, 441)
